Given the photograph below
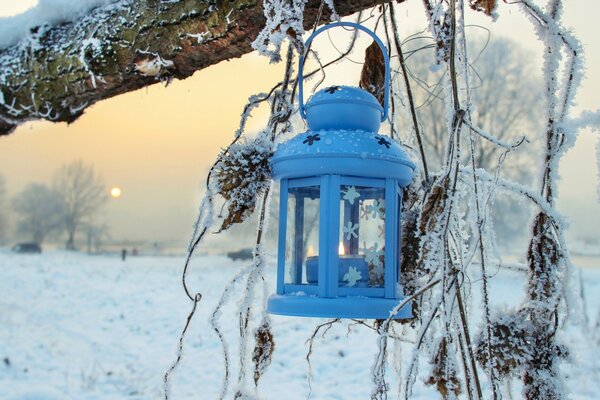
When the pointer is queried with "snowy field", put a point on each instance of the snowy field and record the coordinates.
(74, 326)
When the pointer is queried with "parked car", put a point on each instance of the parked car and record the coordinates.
(27, 248)
(243, 254)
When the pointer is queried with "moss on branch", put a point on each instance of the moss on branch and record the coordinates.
(56, 72)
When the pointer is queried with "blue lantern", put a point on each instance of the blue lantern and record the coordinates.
(341, 191)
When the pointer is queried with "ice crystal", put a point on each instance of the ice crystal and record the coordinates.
(284, 20)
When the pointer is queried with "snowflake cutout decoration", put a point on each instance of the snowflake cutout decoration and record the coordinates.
(377, 209)
(381, 229)
(351, 194)
(332, 89)
(364, 214)
(310, 139)
(352, 276)
(350, 230)
(383, 141)
(379, 270)
(373, 254)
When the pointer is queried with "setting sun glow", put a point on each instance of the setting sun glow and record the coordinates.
(115, 192)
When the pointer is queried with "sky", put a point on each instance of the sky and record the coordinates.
(157, 143)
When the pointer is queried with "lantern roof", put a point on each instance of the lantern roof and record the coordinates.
(342, 152)
(343, 107)
(344, 94)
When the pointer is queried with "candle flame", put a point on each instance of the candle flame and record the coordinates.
(341, 249)
(310, 252)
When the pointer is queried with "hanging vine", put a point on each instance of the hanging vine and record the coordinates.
(439, 254)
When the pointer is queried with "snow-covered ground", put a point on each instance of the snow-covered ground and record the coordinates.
(74, 326)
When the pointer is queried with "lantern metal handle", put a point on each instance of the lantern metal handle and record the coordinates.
(386, 59)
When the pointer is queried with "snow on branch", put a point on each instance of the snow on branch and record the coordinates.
(517, 190)
(44, 13)
(284, 21)
(74, 59)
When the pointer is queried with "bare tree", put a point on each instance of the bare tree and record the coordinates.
(95, 235)
(506, 94)
(83, 194)
(40, 210)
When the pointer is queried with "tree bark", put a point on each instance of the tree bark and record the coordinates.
(56, 72)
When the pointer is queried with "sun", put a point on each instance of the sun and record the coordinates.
(115, 192)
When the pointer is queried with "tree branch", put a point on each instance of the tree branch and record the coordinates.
(56, 72)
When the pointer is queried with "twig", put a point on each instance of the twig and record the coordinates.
(409, 93)
(327, 325)
(166, 387)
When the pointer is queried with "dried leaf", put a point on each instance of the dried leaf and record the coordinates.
(241, 176)
(263, 350)
(433, 206)
(410, 247)
(485, 6)
(372, 76)
(444, 375)
(543, 260)
(511, 344)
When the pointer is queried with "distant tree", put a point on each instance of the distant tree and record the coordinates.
(507, 94)
(83, 194)
(3, 213)
(95, 234)
(505, 90)
(40, 212)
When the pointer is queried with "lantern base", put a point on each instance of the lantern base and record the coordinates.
(338, 307)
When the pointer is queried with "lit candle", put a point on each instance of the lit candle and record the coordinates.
(359, 276)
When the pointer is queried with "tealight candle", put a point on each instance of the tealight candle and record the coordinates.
(345, 263)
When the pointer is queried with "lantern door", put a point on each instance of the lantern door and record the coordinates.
(333, 235)
(362, 238)
(299, 236)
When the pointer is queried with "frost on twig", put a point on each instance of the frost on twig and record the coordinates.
(242, 175)
(310, 342)
(284, 21)
(444, 374)
(447, 229)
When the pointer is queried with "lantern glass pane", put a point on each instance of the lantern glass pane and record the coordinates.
(362, 236)
(302, 236)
